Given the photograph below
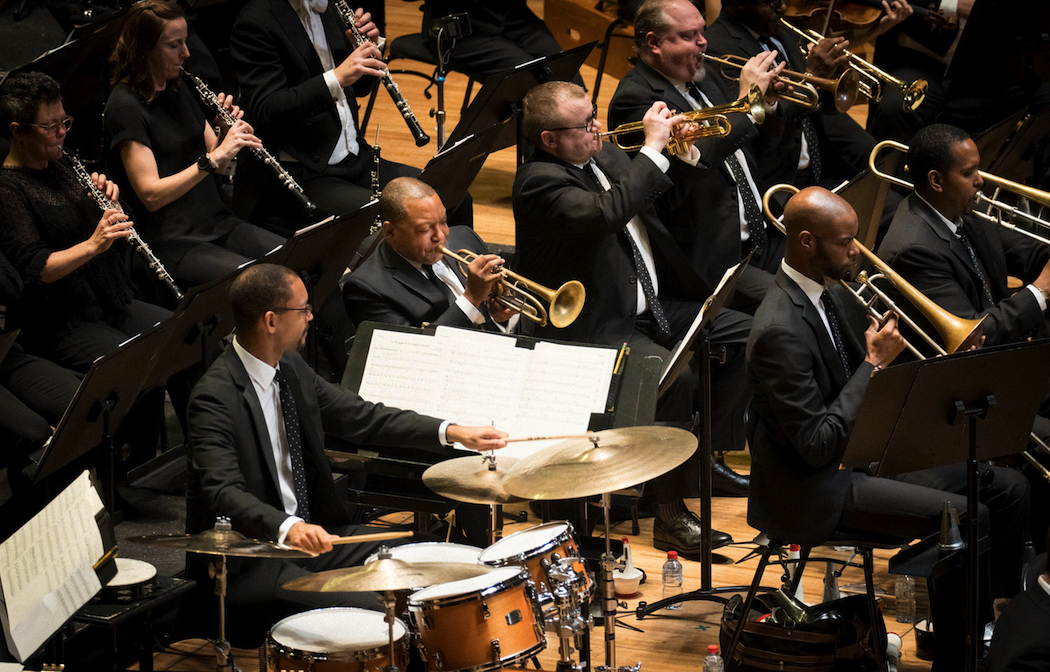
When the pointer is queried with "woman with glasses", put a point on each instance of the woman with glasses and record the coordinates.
(161, 141)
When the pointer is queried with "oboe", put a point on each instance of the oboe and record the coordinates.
(347, 15)
(134, 239)
(209, 97)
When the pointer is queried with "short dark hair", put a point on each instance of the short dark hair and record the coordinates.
(259, 288)
(397, 193)
(541, 108)
(22, 95)
(142, 28)
(650, 18)
(931, 149)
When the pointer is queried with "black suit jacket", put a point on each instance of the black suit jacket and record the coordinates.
(231, 465)
(282, 84)
(726, 35)
(1021, 642)
(387, 288)
(701, 212)
(569, 229)
(802, 413)
(920, 247)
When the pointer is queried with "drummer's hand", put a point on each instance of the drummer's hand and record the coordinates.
(476, 438)
(312, 538)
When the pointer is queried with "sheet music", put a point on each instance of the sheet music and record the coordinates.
(478, 378)
(46, 567)
(11, 667)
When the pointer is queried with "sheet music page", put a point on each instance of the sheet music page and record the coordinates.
(46, 569)
(11, 667)
(401, 371)
(584, 369)
(470, 355)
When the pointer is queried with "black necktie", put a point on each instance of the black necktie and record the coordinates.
(436, 281)
(295, 445)
(640, 269)
(809, 132)
(752, 212)
(964, 239)
(836, 334)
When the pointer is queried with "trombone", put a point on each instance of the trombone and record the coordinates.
(871, 76)
(957, 333)
(750, 104)
(517, 293)
(804, 85)
(1001, 183)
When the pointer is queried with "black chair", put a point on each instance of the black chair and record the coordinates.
(864, 543)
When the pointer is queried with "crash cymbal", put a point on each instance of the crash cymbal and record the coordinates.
(470, 479)
(607, 461)
(386, 574)
(222, 542)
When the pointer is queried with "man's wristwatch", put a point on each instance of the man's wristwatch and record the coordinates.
(204, 163)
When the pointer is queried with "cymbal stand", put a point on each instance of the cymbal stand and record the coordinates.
(390, 616)
(217, 571)
(566, 619)
(608, 591)
(495, 510)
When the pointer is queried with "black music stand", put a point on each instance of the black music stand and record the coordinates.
(105, 396)
(453, 169)
(698, 340)
(1025, 157)
(993, 141)
(500, 96)
(928, 416)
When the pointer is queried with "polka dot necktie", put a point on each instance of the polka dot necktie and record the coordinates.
(808, 130)
(985, 289)
(295, 445)
(836, 333)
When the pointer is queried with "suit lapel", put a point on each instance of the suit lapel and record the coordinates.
(251, 400)
(414, 281)
(289, 22)
(932, 219)
(663, 88)
(828, 352)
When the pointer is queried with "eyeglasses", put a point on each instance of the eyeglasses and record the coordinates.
(52, 128)
(308, 308)
(588, 126)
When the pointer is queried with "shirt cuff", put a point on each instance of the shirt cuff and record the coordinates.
(1038, 297)
(333, 85)
(470, 310)
(949, 7)
(659, 159)
(443, 431)
(282, 531)
(692, 158)
(510, 325)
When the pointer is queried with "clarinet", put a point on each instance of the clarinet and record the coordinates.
(376, 191)
(260, 153)
(347, 15)
(134, 239)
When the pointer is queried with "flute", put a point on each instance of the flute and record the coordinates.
(347, 15)
(209, 97)
(134, 239)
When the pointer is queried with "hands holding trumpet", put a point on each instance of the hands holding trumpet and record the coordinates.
(762, 71)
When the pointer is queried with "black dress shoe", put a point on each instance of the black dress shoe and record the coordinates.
(685, 534)
(727, 483)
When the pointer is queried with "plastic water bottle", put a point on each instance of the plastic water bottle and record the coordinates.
(713, 662)
(672, 579)
(905, 594)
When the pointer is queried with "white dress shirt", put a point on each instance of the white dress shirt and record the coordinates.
(954, 228)
(812, 290)
(347, 143)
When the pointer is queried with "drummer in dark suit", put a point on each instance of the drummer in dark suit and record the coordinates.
(407, 280)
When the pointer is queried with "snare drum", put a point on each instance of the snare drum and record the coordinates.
(433, 551)
(337, 639)
(134, 580)
(528, 548)
(478, 624)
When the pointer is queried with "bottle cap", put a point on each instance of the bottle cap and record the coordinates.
(626, 540)
(712, 648)
(672, 555)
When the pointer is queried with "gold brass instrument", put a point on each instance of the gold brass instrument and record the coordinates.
(517, 293)
(804, 85)
(871, 77)
(750, 104)
(1035, 195)
(957, 333)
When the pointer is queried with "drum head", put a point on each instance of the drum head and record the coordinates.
(131, 572)
(433, 551)
(335, 629)
(526, 543)
(498, 577)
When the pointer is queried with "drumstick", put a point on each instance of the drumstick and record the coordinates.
(362, 538)
(549, 438)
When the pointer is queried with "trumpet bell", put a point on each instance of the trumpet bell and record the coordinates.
(567, 303)
(914, 94)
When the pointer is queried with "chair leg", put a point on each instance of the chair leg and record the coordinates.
(605, 55)
(466, 96)
(873, 607)
(750, 600)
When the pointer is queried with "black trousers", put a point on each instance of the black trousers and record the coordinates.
(34, 393)
(208, 261)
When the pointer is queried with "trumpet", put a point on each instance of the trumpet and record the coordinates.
(804, 85)
(750, 104)
(420, 136)
(134, 239)
(517, 293)
(1035, 195)
(871, 76)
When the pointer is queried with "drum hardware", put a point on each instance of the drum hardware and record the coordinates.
(135, 580)
(463, 479)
